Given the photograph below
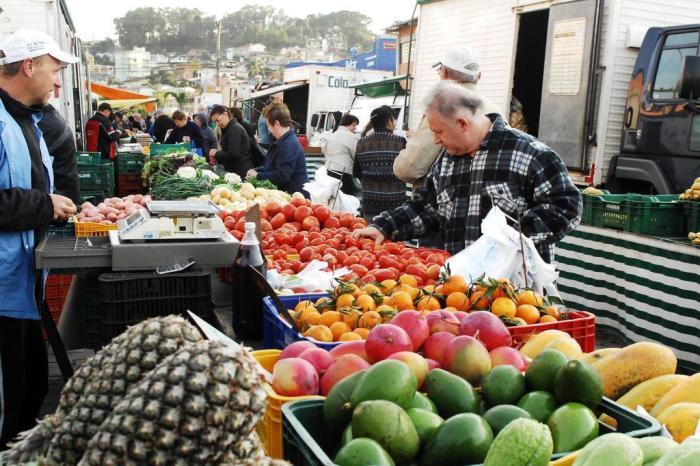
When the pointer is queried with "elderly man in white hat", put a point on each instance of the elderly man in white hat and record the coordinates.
(30, 62)
(460, 65)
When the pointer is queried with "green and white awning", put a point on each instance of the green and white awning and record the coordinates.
(646, 288)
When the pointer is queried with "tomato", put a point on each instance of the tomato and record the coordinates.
(417, 271)
(384, 274)
(263, 214)
(273, 207)
(308, 222)
(432, 272)
(331, 222)
(351, 249)
(391, 248)
(351, 260)
(300, 201)
(331, 250)
(316, 242)
(358, 269)
(265, 226)
(278, 220)
(322, 213)
(282, 238)
(302, 212)
(306, 254)
(358, 226)
(295, 266)
(240, 225)
(316, 257)
(230, 223)
(342, 257)
(330, 259)
(237, 234)
(279, 254)
(387, 261)
(288, 210)
(346, 220)
(301, 244)
(368, 262)
(434, 259)
(295, 225)
(314, 235)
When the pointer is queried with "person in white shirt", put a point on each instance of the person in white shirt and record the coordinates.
(340, 152)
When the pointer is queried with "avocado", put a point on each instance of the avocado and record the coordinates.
(388, 380)
(389, 425)
(336, 408)
(362, 452)
(578, 381)
(346, 437)
(541, 371)
(500, 416)
(426, 422)
(503, 385)
(573, 425)
(450, 393)
(462, 439)
(422, 402)
(539, 404)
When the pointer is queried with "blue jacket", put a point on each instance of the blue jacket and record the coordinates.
(263, 131)
(17, 279)
(285, 164)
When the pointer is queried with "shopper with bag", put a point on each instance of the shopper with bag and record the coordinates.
(483, 162)
(339, 151)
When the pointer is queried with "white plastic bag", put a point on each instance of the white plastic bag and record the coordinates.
(326, 190)
(498, 254)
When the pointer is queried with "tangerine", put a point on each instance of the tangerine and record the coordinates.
(458, 300)
(350, 316)
(363, 332)
(530, 297)
(314, 318)
(553, 311)
(370, 289)
(325, 302)
(344, 300)
(401, 300)
(545, 319)
(412, 292)
(339, 328)
(519, 322)
(303, 314)
(504, 307)
(328, 318)
(369, 319)
(528, 313)
(350, 336)
(410, 280)
(319, 333)
(428, 303)
(478, 301)
(388, 285)
(365, 303)
(302, 304)
(454, 283)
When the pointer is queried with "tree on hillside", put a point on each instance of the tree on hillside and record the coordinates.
(351, 25)
(141, 27)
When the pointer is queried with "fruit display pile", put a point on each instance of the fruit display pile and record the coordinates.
(693, 192)
(157, 394)
(298, 232)
(354, 308)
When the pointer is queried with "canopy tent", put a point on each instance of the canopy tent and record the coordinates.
(381, 88)
(121, 98)
(273, 90)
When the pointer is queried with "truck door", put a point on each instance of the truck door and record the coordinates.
(564, 124)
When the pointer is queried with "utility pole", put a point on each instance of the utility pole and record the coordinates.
(218, 54)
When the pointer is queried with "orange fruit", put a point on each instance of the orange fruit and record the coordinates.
(410, 280)
(553, 311)
(346, 288)
(429, 289)
(303, 314)
(546, 319)
(450, 308)
(477, 301)
(439, 289)
(504, 307)
(319, 333)
(350, 316)
(350, 336)
(401, 300)
(363, 332)
(314, 319)
(387, 312)
(428, 303)
(528, 313)
(388, 285)
(339, 328)
(328, 318)
(412, 292)
(369, 319)
(302, 304)
(458, 300)
(454, 283)
(370, 289)
(530, 297)
(503, 289)
(344, 300)
(365, 303)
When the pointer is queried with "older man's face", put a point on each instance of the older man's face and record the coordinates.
(451, 133)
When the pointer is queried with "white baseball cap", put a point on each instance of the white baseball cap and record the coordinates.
(28, 43)
(462, 59)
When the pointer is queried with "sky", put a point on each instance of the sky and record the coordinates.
(94, 20)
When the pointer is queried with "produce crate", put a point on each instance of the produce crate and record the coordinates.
(308, 442)
(83, 229)
(130, 184)
(157, 149)
(129, 298)
(55, 292)
(270, 427)
(658, 215)
(130, 163)
(579, 324)
(691, 209)
(277, 332)
(94, 197)
(61, 231)
(96, 177)
(88, 158)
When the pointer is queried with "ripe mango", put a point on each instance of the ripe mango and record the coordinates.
(686, 391)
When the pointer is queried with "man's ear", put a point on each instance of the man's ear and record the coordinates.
(463, 124)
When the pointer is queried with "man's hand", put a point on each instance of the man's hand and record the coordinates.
(251, 174)
(369, 232)
(63, 207)
(185, 139)
(212, 152)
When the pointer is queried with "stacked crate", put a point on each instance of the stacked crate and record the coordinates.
(129, 169)
(96, 177)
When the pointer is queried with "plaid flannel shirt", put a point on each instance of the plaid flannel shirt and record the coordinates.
(458, 193)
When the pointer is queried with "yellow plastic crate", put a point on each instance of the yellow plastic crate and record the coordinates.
(83, 229)
(270, 427)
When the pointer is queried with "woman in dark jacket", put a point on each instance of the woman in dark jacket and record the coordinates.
(202, 120)
(238, 116)
(235, 144)
(185, 131)
(285, 164)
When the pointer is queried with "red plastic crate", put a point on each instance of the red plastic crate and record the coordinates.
(225, 275)
(579, 324)
(56, 292)
(130, 184)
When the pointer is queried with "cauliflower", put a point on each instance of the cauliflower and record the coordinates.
(186, 172)
(209, 174)
(232, 178)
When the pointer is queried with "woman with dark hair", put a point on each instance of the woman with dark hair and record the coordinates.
(340, 152)
(374, 165)
(202, 120)
(285, 165)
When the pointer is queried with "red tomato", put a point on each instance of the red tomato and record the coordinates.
(346, 220)
(279, 254)
(281, 238)
(298, 236)
(278, 220)
(432, 272)
(417, 271)
(434, 259)
(265, 226)
(321, 248)
(237, 234)
(358, 226)
(308, 222)
(342, 256)
(388, 261)
(263, 214)
(331, 222)
(368, 262)
(331, 250)
(322, 213)
(359, 269)
(240, 225)
(230, 223)
(351, 260)
(301, 244)
(306, 254)
(300, 201)
(295, 225)
(316, 242)
(273, 208)
(302, 212)
(288, 210)
(314, 235)
(384, 274)
(330, 259)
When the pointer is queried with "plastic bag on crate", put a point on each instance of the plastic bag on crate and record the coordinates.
(312, 278)
(326, 190)
(497, 254)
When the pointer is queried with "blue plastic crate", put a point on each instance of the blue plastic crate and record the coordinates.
(277, 332)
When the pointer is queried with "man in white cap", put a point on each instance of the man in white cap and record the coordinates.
(30, 62)
(460, 65)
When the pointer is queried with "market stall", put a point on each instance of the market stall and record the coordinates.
(648, 289)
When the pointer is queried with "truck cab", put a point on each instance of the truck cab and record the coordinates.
(660, 143)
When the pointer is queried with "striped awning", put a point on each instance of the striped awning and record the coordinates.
(648, 289)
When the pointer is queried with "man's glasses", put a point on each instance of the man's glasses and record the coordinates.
(216, 120)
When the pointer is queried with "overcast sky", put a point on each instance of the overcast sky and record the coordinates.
(94, 20)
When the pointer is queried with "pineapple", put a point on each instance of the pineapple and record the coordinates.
(99, 384)
(192, 410)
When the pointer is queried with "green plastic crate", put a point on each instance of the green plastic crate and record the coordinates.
(129, 163)
(692, 216)
(95, 197)
(307, 440)
(88, 158)
(96, 178)
(659, 215)
(161, 148)
(61, 231)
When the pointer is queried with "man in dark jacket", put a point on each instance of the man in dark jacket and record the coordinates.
(161, 125)
(100, 134)
(61, 144)
(185, 131)
(235, 143)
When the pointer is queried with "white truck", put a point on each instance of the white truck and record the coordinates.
(571, 63)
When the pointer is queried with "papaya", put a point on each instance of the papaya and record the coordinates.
(524, 442)
(597, 355)
(649, 392)
(654, 448)
(609, 449)
(686, 391)
(566, 345)
(536, 342)
(633, 365)
(681, 419)
(686, 454)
